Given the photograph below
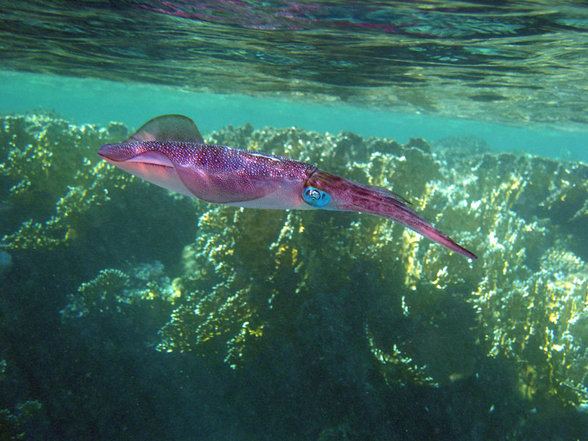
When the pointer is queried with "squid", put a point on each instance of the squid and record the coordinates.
(169, 151)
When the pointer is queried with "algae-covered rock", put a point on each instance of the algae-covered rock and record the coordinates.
(352, 304)
(113, 288)
(49, 174)
(57, 193)
(252, 271)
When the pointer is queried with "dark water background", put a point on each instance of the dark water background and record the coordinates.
(351, 336)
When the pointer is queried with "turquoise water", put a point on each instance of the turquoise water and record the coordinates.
(130, 312)
(100, 102)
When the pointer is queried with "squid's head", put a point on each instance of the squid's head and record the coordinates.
(330, 192)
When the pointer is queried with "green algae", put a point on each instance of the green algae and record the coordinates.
(362, 293)
(112, 289)
(263, 266)
(50, 171)
(73, 199)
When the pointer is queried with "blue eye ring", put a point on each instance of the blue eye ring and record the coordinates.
(315, 197)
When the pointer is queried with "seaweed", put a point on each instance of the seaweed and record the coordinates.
(315, 310)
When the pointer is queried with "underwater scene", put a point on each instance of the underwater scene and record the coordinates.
(358, 220)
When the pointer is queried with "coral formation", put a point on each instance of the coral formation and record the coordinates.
(49, 169)
(248, 271)
(356, 302)
(112, 288)
(54, 189)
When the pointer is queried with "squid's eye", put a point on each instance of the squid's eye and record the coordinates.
(315, 197)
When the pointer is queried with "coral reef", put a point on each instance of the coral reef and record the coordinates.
(111, 289)
(352, 307)
(49, 169)
(249, 271)
(54, 188)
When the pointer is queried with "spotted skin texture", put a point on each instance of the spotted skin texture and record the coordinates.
(225, 175)
(217, 174)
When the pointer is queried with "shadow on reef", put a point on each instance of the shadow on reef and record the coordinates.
(129, 313)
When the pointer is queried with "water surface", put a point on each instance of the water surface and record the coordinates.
(515, 62)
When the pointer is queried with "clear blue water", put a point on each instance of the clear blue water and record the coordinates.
(84, 100)
(127, 312)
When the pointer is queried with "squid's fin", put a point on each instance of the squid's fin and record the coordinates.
(168, 128)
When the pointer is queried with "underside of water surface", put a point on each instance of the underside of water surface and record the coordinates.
(514, 62)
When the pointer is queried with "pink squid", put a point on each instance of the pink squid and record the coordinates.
(170, 152)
